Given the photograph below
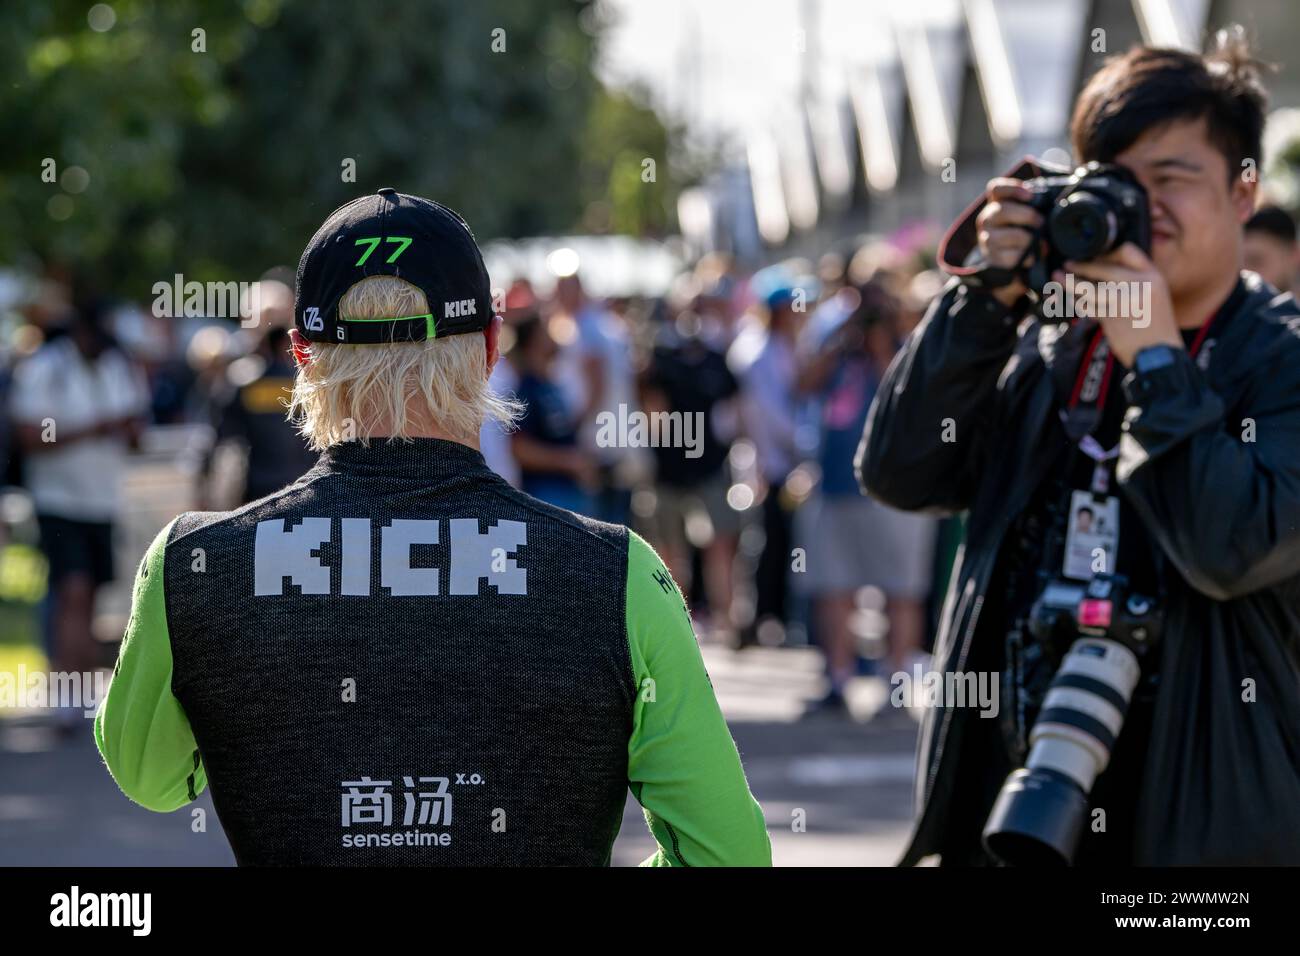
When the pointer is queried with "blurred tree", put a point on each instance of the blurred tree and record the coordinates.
(221, 163)
(103, 113)
(628, 174)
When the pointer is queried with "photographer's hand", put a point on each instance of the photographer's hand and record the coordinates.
(1150, 319)
(1007, 225)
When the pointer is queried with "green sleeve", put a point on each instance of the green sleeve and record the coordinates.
(683, 767)
(141, 730)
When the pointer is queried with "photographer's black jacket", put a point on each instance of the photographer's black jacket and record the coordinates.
(1221, 782)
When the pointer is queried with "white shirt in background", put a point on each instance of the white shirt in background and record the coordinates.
(765, 367)
(58, 387)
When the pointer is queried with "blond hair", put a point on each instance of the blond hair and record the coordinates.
(350, 392)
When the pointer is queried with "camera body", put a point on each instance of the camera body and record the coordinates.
(1104, 607)
(1088, 213)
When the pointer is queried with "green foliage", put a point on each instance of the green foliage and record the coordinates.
(220, 164)
(23, 574)
(625, 170)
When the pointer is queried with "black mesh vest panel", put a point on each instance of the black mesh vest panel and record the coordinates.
(400, 659)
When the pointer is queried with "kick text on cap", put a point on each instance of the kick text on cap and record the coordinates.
(458, 308)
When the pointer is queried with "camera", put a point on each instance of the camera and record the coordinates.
(1038, 816)
(1088, 213)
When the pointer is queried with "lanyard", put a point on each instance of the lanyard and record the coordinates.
(1093, 381)
(1092, 384)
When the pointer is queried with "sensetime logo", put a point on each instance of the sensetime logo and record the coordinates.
(102, 909)
(368, 804)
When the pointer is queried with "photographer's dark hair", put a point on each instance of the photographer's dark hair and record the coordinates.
(1148, 87)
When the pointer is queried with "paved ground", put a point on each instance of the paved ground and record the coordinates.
(849, 783)
(852, 780)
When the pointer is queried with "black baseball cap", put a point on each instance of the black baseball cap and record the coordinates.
(392, 234)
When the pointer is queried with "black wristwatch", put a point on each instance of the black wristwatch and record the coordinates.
(1153, 357)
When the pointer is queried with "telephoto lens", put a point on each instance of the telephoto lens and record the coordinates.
(1040, 812)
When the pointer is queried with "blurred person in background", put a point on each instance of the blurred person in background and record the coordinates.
(717, 294)
(172, 379)
(208, 354)
(623, 467)
(494, 438)
(595, 369)
(251, 402)
(10, 460)
(763, 360)
(852, 542)
(552, 466)
(77, 406)
(687, 376)
(1270, 247)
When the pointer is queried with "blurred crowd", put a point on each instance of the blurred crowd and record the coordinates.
(756, 510)
(85, 384)
(750, 496)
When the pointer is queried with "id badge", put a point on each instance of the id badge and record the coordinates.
(1092, 540)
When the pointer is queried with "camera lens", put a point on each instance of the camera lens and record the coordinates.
(1083, 226)
(1040, 811)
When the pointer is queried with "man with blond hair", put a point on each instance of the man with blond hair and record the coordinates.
(399, 658)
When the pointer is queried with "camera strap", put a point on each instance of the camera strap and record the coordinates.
(958, 253)
(1083, 411)
(1087, 402)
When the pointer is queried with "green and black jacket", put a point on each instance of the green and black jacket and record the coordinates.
(400, 659)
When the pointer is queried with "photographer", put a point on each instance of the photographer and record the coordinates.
(1177, 425)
